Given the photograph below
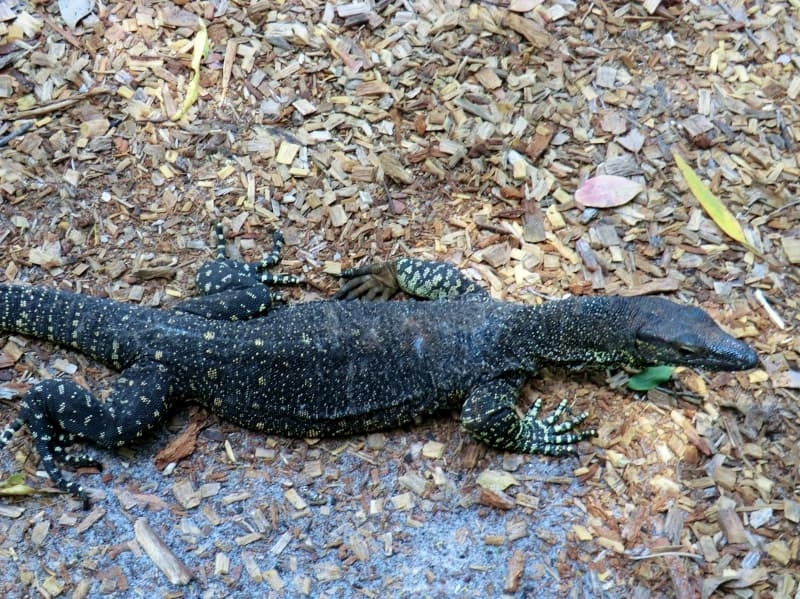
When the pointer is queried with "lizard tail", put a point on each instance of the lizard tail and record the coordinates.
(10, 431)
(91, 325)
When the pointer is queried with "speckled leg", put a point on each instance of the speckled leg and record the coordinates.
(235, 290)
(489, 415)
(219, 275)
(58, 412)
(234, 304)
(425, 279)
(59, 449)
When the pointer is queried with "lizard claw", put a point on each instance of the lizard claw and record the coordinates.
(370, 282)
(548, 436)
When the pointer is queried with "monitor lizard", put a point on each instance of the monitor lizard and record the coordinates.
(334, 367)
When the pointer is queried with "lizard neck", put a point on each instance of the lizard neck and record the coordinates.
(576, 332)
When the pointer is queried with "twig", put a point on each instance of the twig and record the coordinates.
(68, 36)
(55, 105)
(666, 553)
(773, 315)
(494, 228)
(21, 130)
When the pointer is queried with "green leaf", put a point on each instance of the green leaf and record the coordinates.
(650, 378)
(711, 204)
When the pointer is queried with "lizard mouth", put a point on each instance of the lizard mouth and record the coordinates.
(743, 357)
(738, 356)
(725, 354)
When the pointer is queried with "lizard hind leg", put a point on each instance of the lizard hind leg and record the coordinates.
(423, 279)
(59, 412)
(43, 433)
(59, 448)
(224, 273)
(11, 430)
(270, 260)
(48, 443)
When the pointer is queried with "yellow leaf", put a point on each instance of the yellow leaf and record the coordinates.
(15, 485)
(199, 50)
(712, 204)
(496, 480)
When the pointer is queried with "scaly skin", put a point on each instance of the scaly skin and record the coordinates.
(339, 367)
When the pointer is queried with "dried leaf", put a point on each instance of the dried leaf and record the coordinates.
(496, 480)
(15, 485)
(712, 204)
(199, 51)
(607, 191)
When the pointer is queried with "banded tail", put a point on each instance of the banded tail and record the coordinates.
(93, 326)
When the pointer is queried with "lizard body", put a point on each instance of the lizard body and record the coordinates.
(330, 367)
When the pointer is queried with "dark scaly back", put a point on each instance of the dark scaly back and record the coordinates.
(96, 327)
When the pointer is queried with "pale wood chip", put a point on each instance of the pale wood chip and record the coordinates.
(163, 557)
(488, 78)
(731, 525)
(186, 495)
(373, 88)
(527, 28)
(791, 247)
(606, 77)
(393, 169)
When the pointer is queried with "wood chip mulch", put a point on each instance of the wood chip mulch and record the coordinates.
(434, 128)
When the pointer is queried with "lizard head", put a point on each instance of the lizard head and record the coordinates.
(669, 333)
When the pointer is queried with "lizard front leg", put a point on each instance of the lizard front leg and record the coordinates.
(488, 414)
(236, 290)
(58, 412)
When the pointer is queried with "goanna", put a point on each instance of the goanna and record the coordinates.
(333, 367)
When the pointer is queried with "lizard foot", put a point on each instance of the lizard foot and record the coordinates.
(548, 436)
(370, 282)
(254, 270)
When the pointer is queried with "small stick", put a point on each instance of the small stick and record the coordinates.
(55, 105)
(773, 315)
(21, 130)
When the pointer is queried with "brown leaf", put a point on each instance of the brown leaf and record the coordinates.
(184, 444)
(495, 499)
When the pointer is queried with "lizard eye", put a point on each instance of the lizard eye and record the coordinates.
(688, 345)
